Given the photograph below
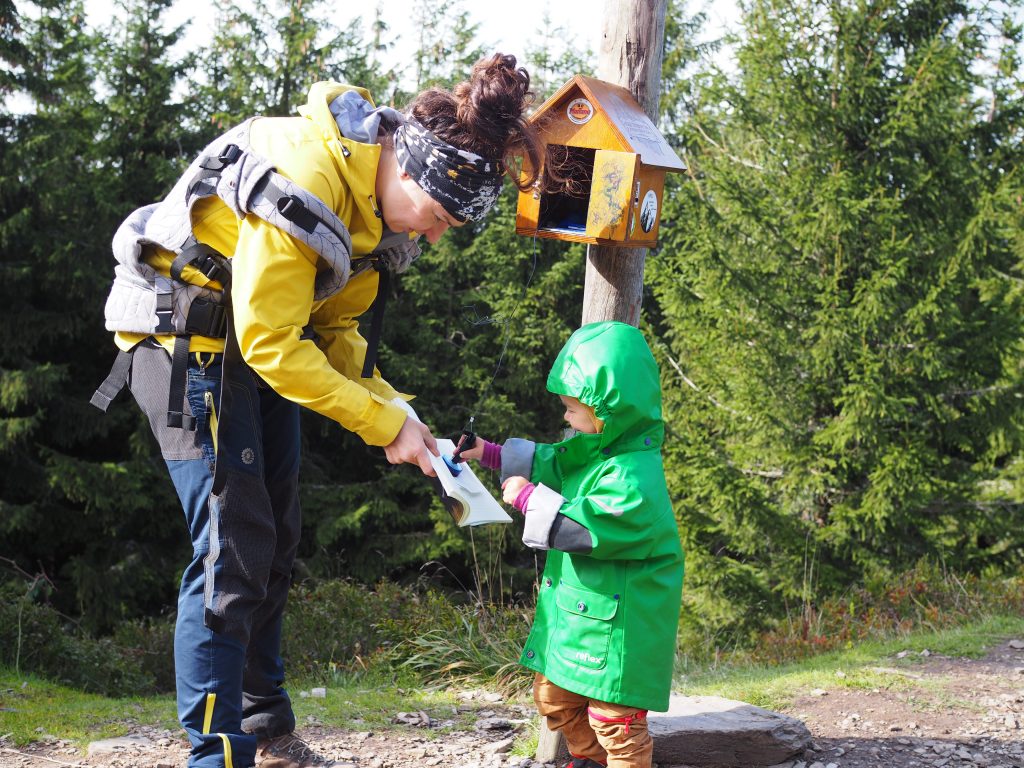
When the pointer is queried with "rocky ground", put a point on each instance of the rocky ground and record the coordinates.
(945, 713)
(949, 713)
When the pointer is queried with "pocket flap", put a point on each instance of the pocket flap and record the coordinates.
(584, 602)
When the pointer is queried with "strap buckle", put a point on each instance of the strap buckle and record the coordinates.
(206, 318)
(293, 209)
(227, 156)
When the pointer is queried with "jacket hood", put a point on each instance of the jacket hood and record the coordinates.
(609, 367)
(346, 118)
(323, 94)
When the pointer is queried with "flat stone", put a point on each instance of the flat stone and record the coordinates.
(709, 730)
(120, 744)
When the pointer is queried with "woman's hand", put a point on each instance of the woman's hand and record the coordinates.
(511, 487)
(410, 446)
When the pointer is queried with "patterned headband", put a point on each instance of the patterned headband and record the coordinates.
(466, 185)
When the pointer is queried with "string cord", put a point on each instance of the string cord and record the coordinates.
(507, 322)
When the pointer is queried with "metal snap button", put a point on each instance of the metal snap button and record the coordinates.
(530, 654)
(547, 582)
(581, 607)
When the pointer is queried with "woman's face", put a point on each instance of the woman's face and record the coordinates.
(407, 208)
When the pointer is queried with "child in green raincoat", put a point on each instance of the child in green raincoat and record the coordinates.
(603, 639)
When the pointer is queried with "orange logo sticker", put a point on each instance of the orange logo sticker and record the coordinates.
(579, 111)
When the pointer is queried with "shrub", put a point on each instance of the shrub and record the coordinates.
(35, 638)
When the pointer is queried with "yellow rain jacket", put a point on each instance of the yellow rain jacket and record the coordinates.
(273, 274)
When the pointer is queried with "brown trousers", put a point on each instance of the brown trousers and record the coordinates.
(607, 733)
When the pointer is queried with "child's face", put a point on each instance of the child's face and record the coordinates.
(579, 416)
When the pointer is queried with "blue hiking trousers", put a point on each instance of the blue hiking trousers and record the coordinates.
(227, 641)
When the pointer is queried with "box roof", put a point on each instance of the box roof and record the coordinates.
(629, 123)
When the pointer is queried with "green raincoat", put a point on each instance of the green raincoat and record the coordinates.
(608, 605)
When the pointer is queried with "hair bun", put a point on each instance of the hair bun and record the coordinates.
(496, 94)
(486, 114)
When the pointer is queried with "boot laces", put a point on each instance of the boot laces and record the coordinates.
(294, 748)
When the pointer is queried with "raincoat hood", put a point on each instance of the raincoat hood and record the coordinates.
(609, 367)
(321, 97)
(345, 118)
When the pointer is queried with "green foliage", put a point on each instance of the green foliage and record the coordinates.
(264, 56)
(359, 623)
(35, 638)
(485, 650)
(78, 501)
(446, 45)
(921, 599)
(339, 628)
(838, 306)
(551, 59)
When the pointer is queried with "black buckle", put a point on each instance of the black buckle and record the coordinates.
(230, 154)
(227, 156)
(163, 321)
(206, 318)
(293, 209)
(211, 266)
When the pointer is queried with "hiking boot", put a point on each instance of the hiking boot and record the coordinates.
(289, 751)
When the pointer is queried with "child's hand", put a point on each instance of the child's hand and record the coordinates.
(476, 452)
(511, 487)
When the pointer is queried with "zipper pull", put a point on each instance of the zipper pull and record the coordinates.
(212, 410)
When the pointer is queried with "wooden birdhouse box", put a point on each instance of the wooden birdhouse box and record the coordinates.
(615, 159)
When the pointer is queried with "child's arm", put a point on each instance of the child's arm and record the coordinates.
(516, 457)
(611, 522)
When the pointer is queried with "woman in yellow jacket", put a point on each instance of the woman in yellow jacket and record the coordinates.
(389, 177)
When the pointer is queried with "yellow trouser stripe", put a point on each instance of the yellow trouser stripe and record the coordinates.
(227, 751)
(211, 699)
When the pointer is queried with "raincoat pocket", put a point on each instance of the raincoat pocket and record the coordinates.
(584, 626)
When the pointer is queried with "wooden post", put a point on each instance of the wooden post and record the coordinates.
(630, 56)
(550, 745)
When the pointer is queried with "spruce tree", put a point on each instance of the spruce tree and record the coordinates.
(78, 495)
(838, 302)
(265, 55)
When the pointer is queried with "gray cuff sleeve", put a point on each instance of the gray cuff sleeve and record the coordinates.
(541, 511)
(516, 458)
(569, 536)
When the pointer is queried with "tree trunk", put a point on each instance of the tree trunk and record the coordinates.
(631, 52)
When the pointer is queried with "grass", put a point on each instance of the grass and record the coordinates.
(776, 686)
(31, 707)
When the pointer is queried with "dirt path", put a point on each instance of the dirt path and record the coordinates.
(949, 713)
(946, 713)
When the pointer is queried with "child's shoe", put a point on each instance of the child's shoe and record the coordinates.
(583, 762)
